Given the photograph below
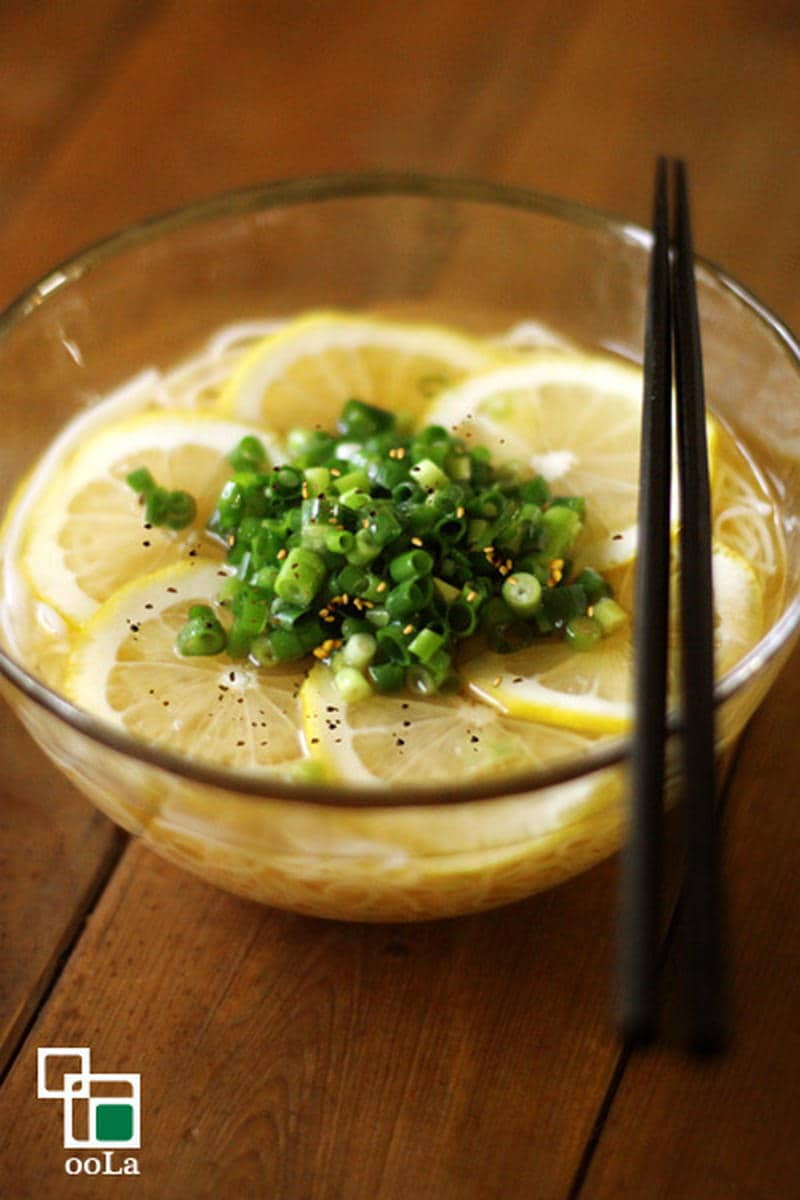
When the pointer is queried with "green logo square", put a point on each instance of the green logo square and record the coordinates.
(113, 1123)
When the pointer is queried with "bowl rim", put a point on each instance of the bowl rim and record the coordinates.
(259, 786)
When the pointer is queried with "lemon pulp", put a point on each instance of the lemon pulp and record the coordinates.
(82, 552)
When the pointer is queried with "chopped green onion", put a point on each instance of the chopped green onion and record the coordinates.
(446, 590)
(351, 481)
(429, 677)
(609, 615)
(535, 491)
(352, 686)
(462, 618)
(393, 643)
(248, 455)
(384, 525)
(176, 509)
(353, 625)
(300, 576)
(380, 550)
(459, 466)
(426, 644)
(239, 641)
(141, 481)
(359, 420)
(359, 650)
(287, 481)
(433, 443)
(387, 475)
(522, 593)
(351, 579)
(387, 676)
(309, 447)
(576, 503)
(356, 499)
(286, 616)
(593, 583)
(409, 597)
(317, 480)
(265, 578)
(420, 518)
(410, 565)
(364, 549)
(338, 541)
(405, 491)
(427, 474)
(559, 604)
(202, 633)
(181, 510)
(450, 529)
(560, 527)
(583, 632)
(284, 645)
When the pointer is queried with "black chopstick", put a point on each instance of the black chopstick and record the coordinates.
(702, 893)
(640, 866)
(672, 325)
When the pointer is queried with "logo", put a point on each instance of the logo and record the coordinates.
(101, 1111)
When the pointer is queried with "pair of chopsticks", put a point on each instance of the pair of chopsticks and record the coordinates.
(672, 336)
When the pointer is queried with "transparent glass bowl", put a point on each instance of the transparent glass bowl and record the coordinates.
(473, 255)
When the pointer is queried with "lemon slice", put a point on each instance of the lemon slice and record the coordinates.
(574, 419)
(85, 534)
(400, 739)
(125, 669)
(591, 690)
(304, 374)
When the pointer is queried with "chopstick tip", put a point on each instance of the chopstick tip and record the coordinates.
(635, 1020)
(707, 1037)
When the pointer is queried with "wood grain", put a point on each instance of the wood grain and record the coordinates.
(220, 97)
(730, 1128)
(53, 57)
(285, 1057)
(54, 853)
(712, 83)
(54, 849)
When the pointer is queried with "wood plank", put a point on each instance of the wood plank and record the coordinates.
(52, 58)
(734, 1124)
(286, 1057)
(716, 83)
(207, 102)
(55, 851)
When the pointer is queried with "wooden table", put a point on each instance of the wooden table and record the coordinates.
(294, 1059)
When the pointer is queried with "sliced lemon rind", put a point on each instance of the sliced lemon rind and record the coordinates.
(593, 714)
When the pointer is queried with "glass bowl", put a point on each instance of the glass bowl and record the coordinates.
(472, 255)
